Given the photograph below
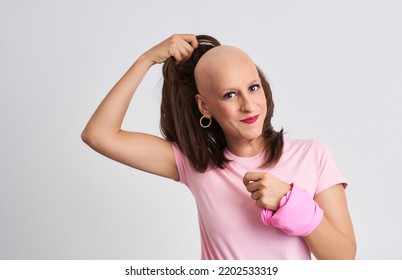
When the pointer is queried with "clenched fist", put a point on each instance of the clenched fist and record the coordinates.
(265, 189)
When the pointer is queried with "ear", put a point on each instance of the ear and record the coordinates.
(202, 106)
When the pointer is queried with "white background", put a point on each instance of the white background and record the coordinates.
(336, 72)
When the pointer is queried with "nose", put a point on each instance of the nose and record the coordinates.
(246, 103)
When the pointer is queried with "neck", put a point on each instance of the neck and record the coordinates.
(247, 148)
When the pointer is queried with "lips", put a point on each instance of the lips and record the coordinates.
(250, 120)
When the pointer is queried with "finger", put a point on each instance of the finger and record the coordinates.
(186, 47)
(263, 203)
(256, 195)
(268, 203)
(175, 53)
(191, 39)
(185, 50)
(182, 51)
(177, 57)
(253, 186)
(252, 176)
(259, 203)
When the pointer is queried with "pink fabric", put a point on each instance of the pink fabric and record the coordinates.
(230, 222)
(298, 213)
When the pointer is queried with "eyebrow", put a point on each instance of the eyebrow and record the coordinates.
(253, 82)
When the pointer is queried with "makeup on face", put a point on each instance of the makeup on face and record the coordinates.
(250, 120)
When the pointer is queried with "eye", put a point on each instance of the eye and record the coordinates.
(254, 87)
(229, 95)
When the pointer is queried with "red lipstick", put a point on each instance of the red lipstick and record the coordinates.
(250, 120)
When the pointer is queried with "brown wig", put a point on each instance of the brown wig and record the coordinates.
(179, 123)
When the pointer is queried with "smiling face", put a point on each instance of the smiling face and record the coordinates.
(230, 91)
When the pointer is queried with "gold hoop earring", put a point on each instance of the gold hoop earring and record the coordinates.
(205, 126)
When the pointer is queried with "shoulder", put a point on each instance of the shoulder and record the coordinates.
(183, 164)
(306, 151)
(303, 145)
(180, 157)
(314, 161)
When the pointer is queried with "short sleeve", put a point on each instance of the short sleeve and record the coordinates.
(328, 172)
(182, 163)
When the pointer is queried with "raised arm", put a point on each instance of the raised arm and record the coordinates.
(142, 151)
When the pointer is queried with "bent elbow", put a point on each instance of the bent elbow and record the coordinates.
(88, 138)
(97, 140)
(85, 136)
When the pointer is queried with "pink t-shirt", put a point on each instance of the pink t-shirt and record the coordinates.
(230, 222)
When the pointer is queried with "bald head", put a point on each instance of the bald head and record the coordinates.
(221, 65)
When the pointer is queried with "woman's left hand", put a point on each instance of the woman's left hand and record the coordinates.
(265, 189)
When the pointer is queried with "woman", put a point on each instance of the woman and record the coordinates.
(259, 195)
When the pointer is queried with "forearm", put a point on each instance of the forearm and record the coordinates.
(109, 115)
(327, 242)
(324, 222)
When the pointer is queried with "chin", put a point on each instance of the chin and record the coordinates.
(252, 136)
